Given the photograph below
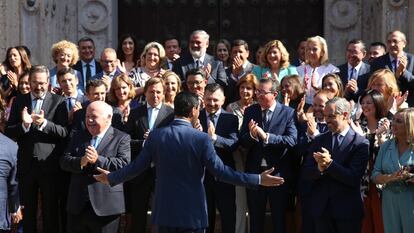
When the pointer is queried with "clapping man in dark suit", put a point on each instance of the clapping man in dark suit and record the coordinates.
(335, 164)
(92, 206)
(181, 155)
(399, 62)
(198, 58)
(141, 121)
(354, 73)
(10, 205)
(268, 131)
(87, 64)
(240, 66)
(38, 123)
(222, 127)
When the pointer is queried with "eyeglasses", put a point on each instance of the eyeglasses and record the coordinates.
(394, 41)
(195, 82)
(262, 92)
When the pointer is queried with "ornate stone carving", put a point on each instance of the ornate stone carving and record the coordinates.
(31, 5)
(396, 3)
(343, 14)
(94, 16)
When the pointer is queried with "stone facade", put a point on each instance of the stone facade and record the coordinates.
(40, 23)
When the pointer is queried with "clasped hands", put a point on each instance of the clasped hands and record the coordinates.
(256, 131)
(90, 156)
(323, 159)
(35, 118)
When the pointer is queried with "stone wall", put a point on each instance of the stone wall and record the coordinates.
(39, 23)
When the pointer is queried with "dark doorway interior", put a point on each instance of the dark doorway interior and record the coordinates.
(256, 21)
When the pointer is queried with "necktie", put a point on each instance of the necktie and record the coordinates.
(337, 141)
(322, 127)
(88, 72)
(95, 141)
(70, 104)
(265, 119)
(151, 117)
(394, 65)
(38, 106)
(353, 74)
(212, 117)
(198, 64)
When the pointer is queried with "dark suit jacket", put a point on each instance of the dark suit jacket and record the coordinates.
(227, 128)
(46, 143)
(9, 201)
(362, 81)
(114, 153)
(231, 91)
(186, 63)
(78, 67)
(282, 136)
(180, 164)
(405, 81)
(137, 125)
(336, 191)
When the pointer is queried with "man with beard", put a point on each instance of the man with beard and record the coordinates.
(38, 123)
(354, 73)
(399, 62)
(198, 58)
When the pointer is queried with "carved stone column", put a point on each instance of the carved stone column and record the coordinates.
(342, 23)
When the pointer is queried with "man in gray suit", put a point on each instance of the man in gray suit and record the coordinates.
(91, 206)
(8, 181)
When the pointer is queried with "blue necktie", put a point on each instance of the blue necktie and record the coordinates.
(96, 140)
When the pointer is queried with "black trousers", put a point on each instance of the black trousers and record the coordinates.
(257, 200)
(49, 186)
(223, 197)
(178, 230)
(88, 222)
(139, 194)
(327, 224)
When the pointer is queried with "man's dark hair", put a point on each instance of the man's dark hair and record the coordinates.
(86, 39)
(269, 80)
(196, 72)
(184, 103)
(240, 42)
(378, 43)
(66, 70)
(172, 37)
(212, 87)
(95, 83)
(358, 41)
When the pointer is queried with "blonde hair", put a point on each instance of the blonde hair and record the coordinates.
(62, 45)
(116, 82)
(324, 60)
(169, 73)
(408, 115)
(284, 55)
(389, 79)
(161, 53)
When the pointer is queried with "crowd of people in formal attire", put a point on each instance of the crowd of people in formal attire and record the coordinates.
(90, 140)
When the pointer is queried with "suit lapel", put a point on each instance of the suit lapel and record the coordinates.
(203, 120)
(105, 140)
(47, 102)
(274, 116)
(144, 118)
(160, 116)
(345, 145)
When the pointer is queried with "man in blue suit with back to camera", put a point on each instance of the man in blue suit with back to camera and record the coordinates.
(334, 165)
(181, 154)
(8, 180)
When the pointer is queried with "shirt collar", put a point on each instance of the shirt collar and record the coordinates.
(34, 98)
(91, 64)
(345, 131)
(216, 114)
(201, 59)
(101, 135)
(157, 107)
(356, 67)
(272, 108)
